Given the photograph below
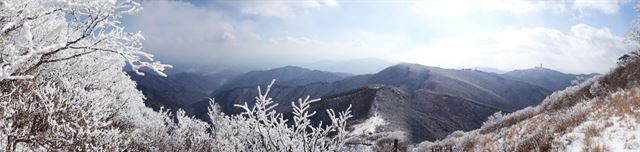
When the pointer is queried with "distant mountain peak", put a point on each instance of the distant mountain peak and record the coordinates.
(286, 76)
(490, 70)
(549, 79)
(402, 74)
(291, 67)
(537, 69)
(545, 69)
(407, 67)
(410, 65)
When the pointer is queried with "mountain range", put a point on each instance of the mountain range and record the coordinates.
(426, 102)
(600, 114)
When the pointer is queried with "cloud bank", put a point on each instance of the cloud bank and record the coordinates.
(449, 34)
(584, 49)
(182, 33)
(280, 8)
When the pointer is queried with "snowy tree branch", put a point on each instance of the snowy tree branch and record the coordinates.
(63, 26)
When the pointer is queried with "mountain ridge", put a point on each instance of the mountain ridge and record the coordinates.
(549, 79)
(415, 86)
(600, 114)
(412, 88)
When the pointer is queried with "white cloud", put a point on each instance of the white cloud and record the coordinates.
(605, 6)
(330, 2)
(463, 7)
(280, 8)
(179, 32)
(516, 7)
(582, 50)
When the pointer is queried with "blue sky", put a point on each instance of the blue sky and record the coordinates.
(575, 36)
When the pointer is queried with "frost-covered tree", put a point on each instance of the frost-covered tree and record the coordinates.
(62, 88)
(37, 32)
(632, 37)
(77, 104)
(260, 128)
(61, 78)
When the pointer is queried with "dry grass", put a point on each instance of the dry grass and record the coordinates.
(540, 128)
(614, 94)
(568, 99)
(623, 76)
(539, 141)
(592, 131)
(562, 102)
(625, 104)
(568, 123)
(598, 148)
(608, 124)
(509, 120)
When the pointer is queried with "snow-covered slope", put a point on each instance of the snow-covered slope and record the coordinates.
(601, 114)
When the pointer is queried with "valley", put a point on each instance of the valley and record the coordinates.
(427, 103)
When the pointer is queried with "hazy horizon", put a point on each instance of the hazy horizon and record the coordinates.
(331, 67)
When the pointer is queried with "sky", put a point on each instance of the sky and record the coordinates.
(573, 36)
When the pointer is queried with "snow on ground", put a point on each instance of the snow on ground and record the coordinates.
(613, 133)
(368, 127)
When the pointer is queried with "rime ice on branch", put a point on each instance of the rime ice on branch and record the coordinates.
(35, 32)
